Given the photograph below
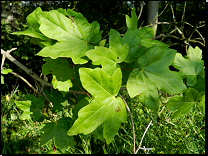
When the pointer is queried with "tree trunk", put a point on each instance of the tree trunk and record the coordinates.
(152, 12)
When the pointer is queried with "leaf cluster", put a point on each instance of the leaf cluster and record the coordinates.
(75, 52)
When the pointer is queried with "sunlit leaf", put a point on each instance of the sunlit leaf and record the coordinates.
(104, 108)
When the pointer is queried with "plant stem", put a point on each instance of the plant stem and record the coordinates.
(132, 122)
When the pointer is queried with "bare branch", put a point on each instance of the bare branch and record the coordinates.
(174, 20)
(28, 71)
(140, 10)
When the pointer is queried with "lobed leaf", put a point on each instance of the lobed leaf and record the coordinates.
(191, 68)
(181, 105)
(104, 108)
(152, 73)
(132, 22)
(58, 132)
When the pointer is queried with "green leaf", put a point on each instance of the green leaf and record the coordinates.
(109, 57)
(31, 107)
(63, 11)
(62, 73)
(6, 71)
(181, 105)
(89, 32)
(58, 132)
(192, 94)
(73, 34)
(146, 35)
(132, 38)
(132, 23)
(153, 73)
(82, 103)
(2, 79)
(139, 41)
(117, 47)
(188, 67)
(194, 54)
(98, 133)
(104, 108)
(102, 43)
(99, 83)
(202, 104)
(57, 100)
(200, 85)
(25, 106)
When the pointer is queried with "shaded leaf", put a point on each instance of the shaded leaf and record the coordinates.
(58, 132)
(182, 105)
(57, 99)
(62, 73)
(152, 73)
(31, 107)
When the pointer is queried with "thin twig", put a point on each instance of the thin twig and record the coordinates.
(132, 122)
(162, 11)
(28, 83)
(174, 20)
(140, 10)
(139, 147)
(182, 20)
(196, 31)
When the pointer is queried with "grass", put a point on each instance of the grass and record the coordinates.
(182, 135)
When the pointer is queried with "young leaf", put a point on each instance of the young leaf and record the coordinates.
(58, 132)
(153, 73)
(132, 23)
(104, 108)
(109, 57)
(6, 71)
(194, 53)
